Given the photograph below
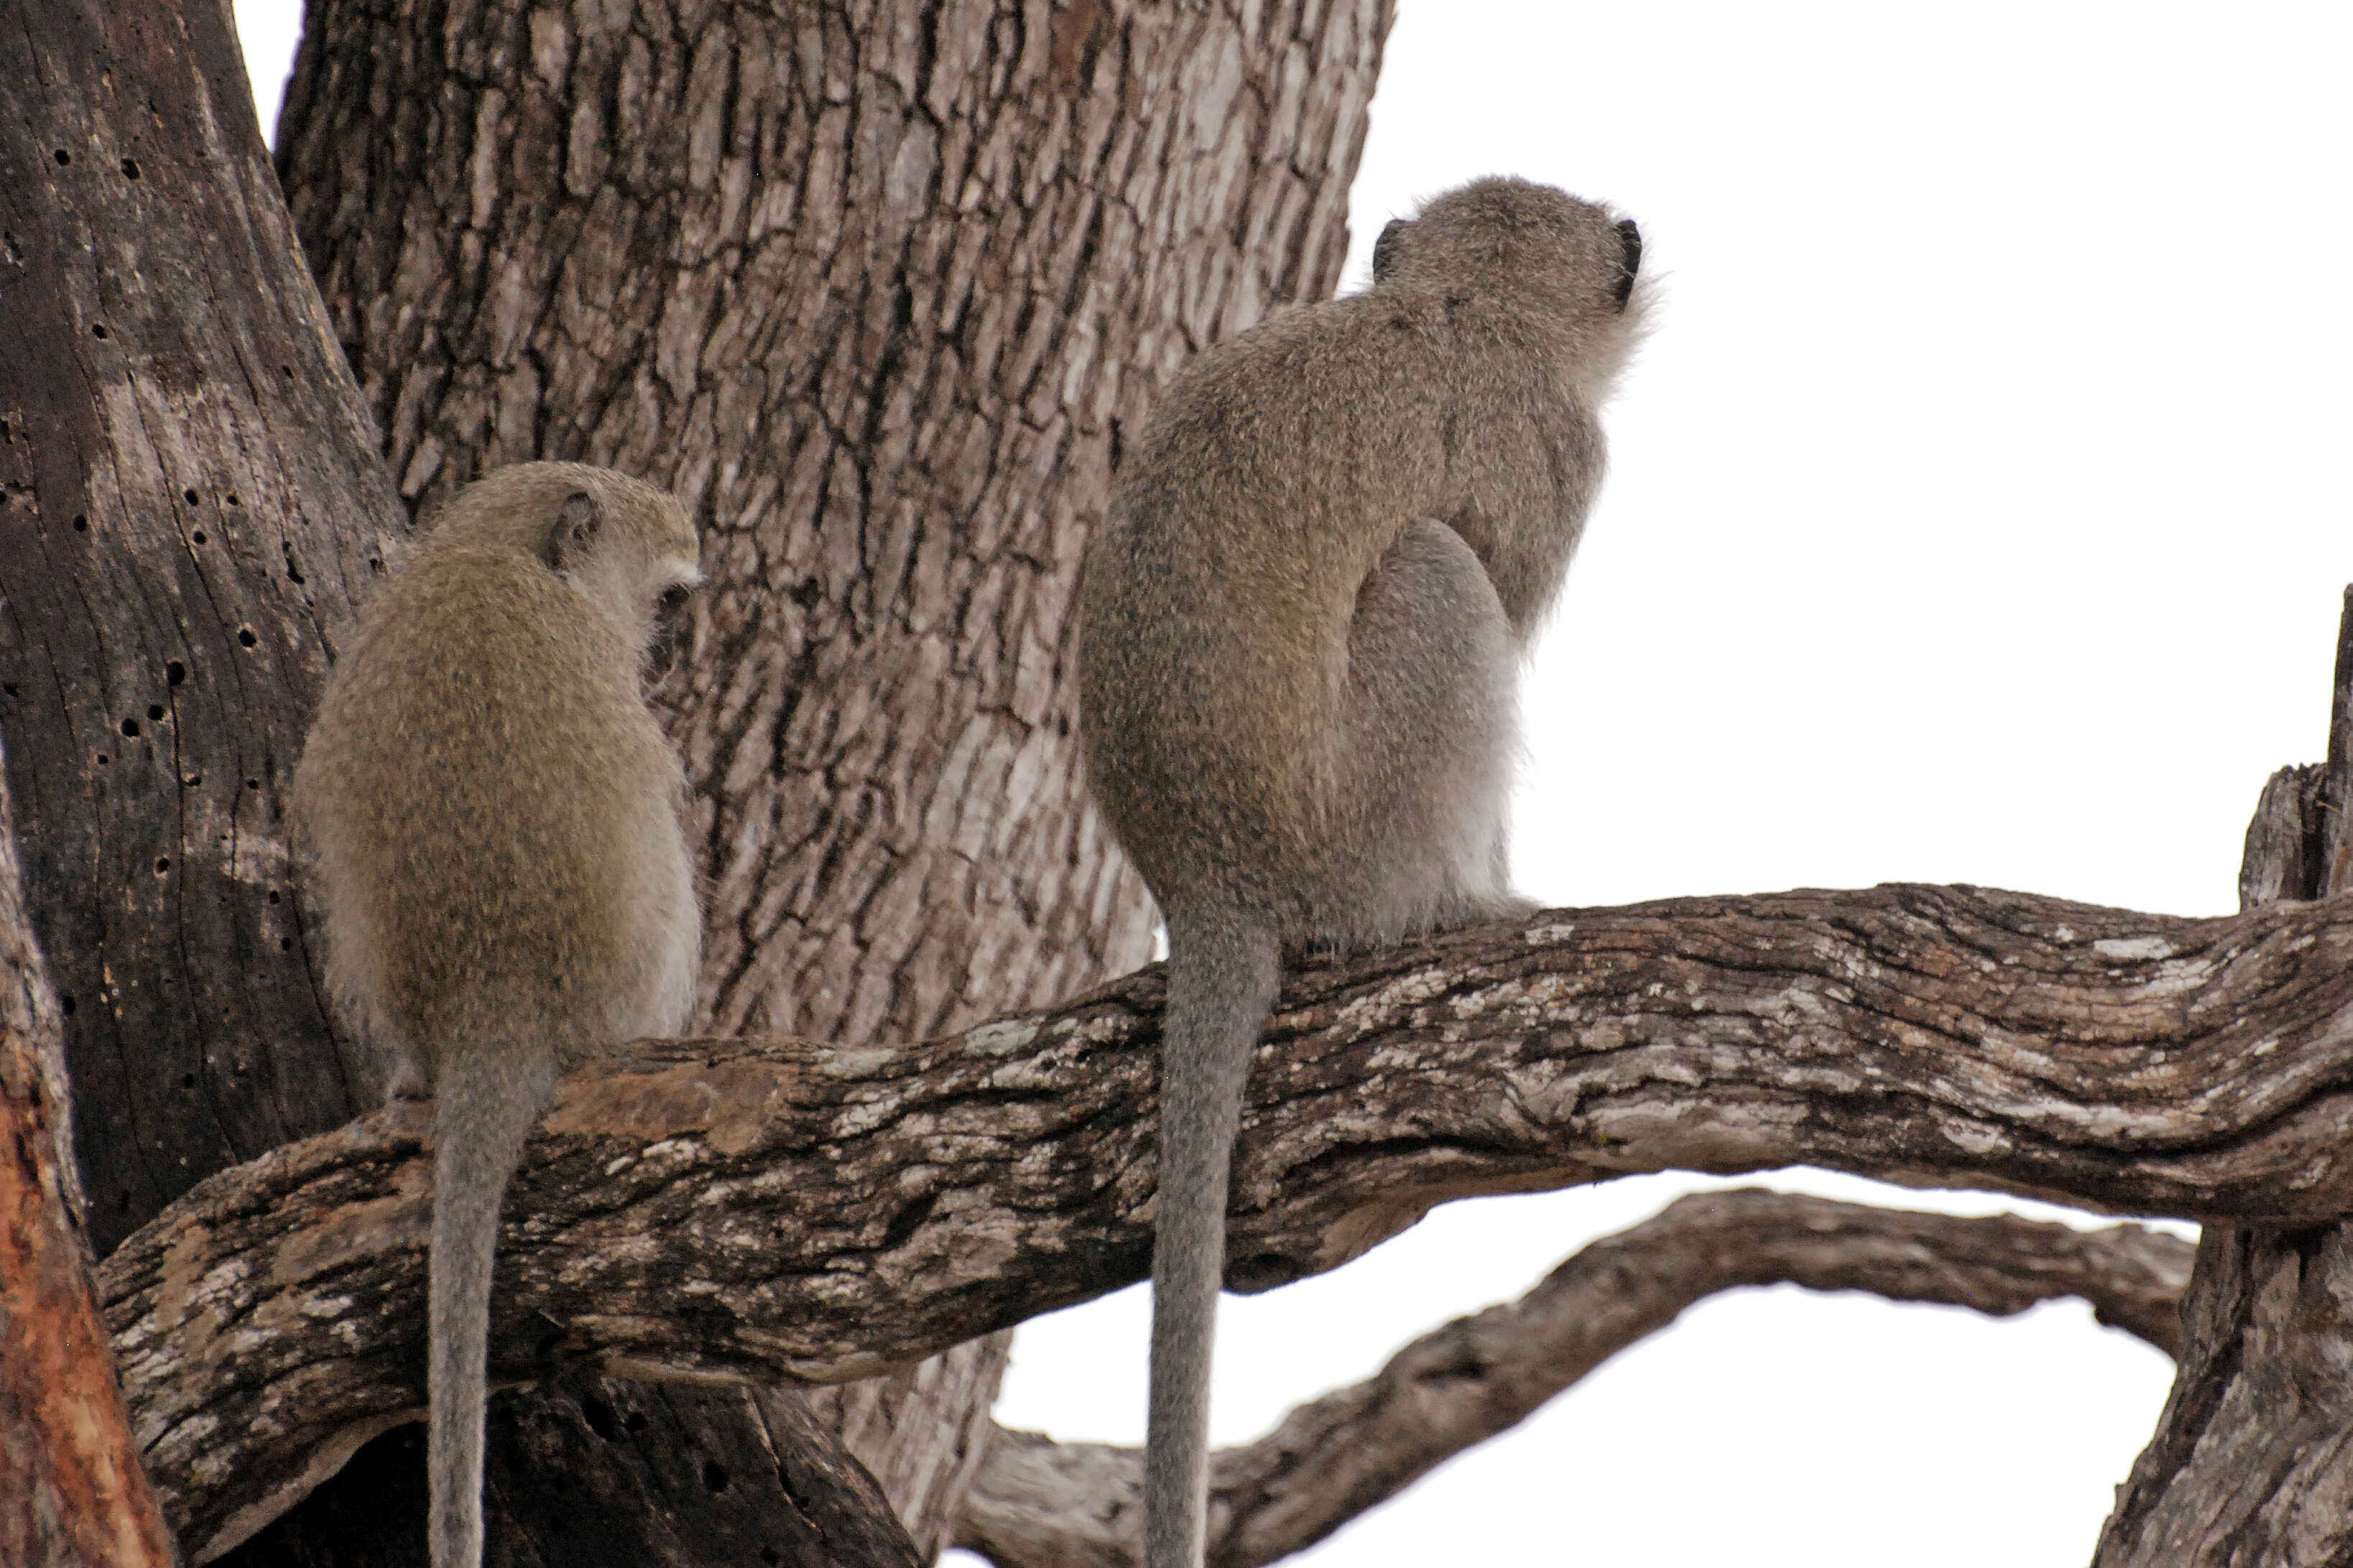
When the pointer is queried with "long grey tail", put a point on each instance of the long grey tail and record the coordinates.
(485, 1102)
(1223, 971)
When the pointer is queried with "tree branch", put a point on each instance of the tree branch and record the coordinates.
(1043, 1504)
(776, 1209)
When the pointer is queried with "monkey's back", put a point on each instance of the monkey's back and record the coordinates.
(1275, 472)
(483, 746)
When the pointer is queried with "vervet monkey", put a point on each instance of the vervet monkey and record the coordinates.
(1299, 638)
(493, 818)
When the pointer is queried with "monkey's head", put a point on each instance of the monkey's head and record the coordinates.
(1576, 260)
(626, 546)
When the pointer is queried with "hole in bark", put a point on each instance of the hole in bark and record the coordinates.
(64, 157)
(599, 1415)
(103, 759)
(7, 688)
(634, 1421)
(285, 944)
(162, 864)
(66, 1003)
(81, 524)
(187, 1081)
(190, 496)
(98, 329)
(130, 728)
(131, 168)
(245, 638)
(771, 1556)
(806, 594)
(253, 784)
(198, 536)
(175, 673)
(192, 781)
(909, 1220)
(714, 1477)
(273, 895)
(154, 711)
(230, 497)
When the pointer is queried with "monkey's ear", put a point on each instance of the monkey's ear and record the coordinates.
(1385, 250)
(572, 533)
(1630, 248)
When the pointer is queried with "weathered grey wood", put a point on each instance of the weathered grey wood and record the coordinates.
(2252, 1465)
(764, 1209)
(189, 506)
(1042, 1504)
(875, 285)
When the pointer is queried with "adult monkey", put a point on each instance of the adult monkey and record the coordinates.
(1299, 637)
(493, 820)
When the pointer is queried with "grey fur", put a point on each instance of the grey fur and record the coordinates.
(1299, 634)
(493, 819)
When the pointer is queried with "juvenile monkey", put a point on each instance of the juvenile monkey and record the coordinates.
(1299, 638)
(493, 820)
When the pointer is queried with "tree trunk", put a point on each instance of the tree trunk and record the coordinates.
(2252, 1465)
(188, 507)
(875, 287)
(190, 504)
(73, 1493)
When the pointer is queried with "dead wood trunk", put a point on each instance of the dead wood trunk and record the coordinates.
(2252, 1465)
(188, 507)
(875, 285)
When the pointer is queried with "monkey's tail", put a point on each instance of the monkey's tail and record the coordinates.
(1223, 971)
(485, 1102)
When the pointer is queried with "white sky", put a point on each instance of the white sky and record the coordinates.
(1979, 513)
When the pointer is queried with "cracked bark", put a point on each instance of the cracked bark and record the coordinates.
(1042, 1504)
(874, 285)
(764, 1209)
(2252, 1465)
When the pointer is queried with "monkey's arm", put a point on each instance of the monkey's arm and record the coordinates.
(837, 1212)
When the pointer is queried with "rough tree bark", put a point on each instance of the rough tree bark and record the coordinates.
(2252, 1465)
(778, 1209)
(874, 285)
(73, 1493)
(1042, 1504)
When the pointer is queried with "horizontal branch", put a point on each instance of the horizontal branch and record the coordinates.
(1043, 1504)
(778, 1209)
